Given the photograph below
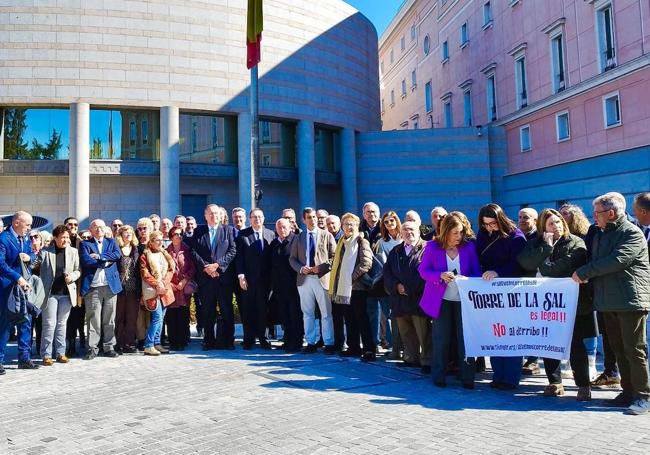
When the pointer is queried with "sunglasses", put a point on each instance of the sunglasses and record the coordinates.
(142, 228)
(35, 236)
(117, 226)
(177, 234)
(85, 237)
(72, 224)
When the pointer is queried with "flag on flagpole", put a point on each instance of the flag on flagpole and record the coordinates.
(254, 28)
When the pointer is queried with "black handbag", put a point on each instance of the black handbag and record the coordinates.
(373, 277)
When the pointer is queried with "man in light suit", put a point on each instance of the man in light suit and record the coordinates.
(100, 284)
(213, 249)
(254, 275)
(15, 247)
(311, 257)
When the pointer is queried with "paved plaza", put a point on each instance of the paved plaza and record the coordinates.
(268, 402)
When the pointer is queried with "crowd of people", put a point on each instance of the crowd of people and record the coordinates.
(351, 286)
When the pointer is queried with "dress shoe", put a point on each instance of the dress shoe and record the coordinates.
(62, 359)
(369, 356)
(425, 369)
(119, 350)
(330, 349)
(90, 355)
(140, 345)
(48, 362)
(265, 345)
(2, 370)
(129, 350)
(620, 401)
(161, 349)
(27, 365)
(110, 354)
(310, 349)
(151, 351)
(584, 394)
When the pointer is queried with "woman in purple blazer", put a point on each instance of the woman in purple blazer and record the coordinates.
(449, 255)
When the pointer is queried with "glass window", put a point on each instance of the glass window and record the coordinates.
(392, 55)
(207, 138)
(392, 97)
(381, 67)
(413, 32)
(464, 37)
(125, 134)
(447, 113)
(426, 46)
(520, 81)
(562, 126)
(428, 105)
(612, 110)
(326, 145)
(414, 80)
(557, 63)
(36, 134)
(403, 43)
(445, 51)
(467, 108)
(487, 13)
(524, 138)
(403, 88)
(383, 105)
(278, 144)
(491, 99)
(606, 44)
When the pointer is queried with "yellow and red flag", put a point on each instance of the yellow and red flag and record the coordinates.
(254, 28)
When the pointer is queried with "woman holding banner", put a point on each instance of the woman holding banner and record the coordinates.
(449, 255)
(557, 253)
(498, 244)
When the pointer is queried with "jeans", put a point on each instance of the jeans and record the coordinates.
(312, 293)
(55, 318)
(373, 305)
(155, 326)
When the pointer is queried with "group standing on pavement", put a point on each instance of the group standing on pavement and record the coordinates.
(354, 286)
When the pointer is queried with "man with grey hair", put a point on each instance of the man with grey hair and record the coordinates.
(333, 224)
(370, 224)
(620, 274)
(437, 214)
(321, 215)
(528, 222)
(15, 251)
(414, 217)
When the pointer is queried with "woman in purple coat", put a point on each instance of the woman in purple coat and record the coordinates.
(498, 244)
(451, 254)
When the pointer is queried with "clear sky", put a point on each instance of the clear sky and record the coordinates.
(380, 12)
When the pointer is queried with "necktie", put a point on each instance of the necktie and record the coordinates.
(21, 241)
(646, 231)
(213, 236)
(260, 243)
(312, 250)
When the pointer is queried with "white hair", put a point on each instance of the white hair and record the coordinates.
(530, 211)
(414, 215)
(612, 201)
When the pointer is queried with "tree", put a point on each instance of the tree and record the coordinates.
(15, 126)
(53, 146)
(96, 151)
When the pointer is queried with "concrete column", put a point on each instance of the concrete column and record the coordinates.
(349, 171)
(2, 134)
(79, 163)
(306, 165)
(170, 203)
(246, 184)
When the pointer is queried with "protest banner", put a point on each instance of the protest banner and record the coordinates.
(518, 316)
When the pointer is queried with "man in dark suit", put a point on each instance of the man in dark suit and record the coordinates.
(100, 284)
(213, 249)
(642, 213)
(15, 249)
(254, 275)
(283, 282)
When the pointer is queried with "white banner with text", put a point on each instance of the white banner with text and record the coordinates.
(508, 317)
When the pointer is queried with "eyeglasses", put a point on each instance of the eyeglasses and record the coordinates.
(35, 236)
(390, 221)
(85, 237)
(601, 211)
(491, 224)
(142, 228)
(177, 234)
(117, 226)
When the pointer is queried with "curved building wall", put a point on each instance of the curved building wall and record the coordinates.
(319, 57)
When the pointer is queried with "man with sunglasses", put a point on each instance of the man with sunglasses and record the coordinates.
(77, 316)
(116, 224)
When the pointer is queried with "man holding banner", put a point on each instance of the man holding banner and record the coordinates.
(620, 274)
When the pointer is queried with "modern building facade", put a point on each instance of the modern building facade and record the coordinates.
(121, 109)
(567, 81)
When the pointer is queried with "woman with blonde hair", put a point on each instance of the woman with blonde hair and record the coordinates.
(576, 219)
(128, 301)
(157, 270)
(352, 259)
(557, 253)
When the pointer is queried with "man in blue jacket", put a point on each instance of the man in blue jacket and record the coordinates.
(100, 284)
(15, 247)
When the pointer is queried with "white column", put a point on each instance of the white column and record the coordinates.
(349, 170)
(246, 183)
(79, 163)
(306, 165)
(170, 205)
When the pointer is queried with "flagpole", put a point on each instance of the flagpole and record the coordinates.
(255, 136)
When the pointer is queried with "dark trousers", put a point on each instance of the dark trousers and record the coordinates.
(126, 318)
(448, 322)
(360, 315)
(178, 320)
(253, 310)
(24, 335)
(627, 335)
(38, 330)
(213, 294)
(346, 329)
(609, 357)
(74, 326)
(291, 314)
(583, 328)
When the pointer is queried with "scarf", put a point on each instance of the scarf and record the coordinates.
(154, 261)
(345, 260)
